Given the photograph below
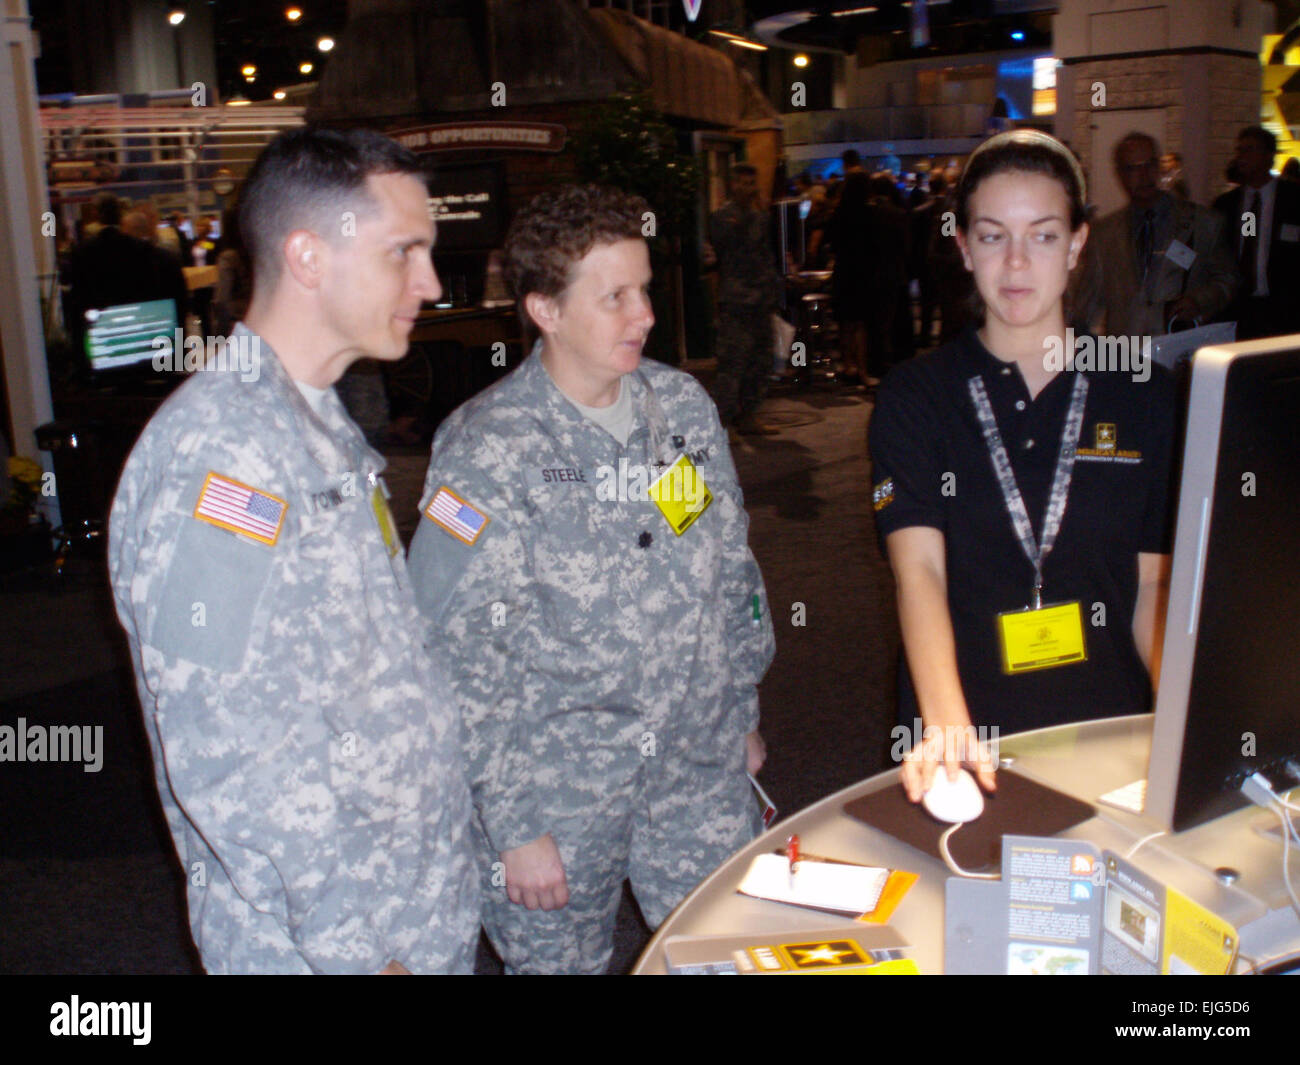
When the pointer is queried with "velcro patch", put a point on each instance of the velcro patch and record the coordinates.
(461, 519)
(240, 508)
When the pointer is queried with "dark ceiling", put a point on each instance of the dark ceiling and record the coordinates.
(954, 25)
(256, 31)
(246, 31)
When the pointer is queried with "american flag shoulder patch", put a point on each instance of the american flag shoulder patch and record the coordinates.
(241, 508)
(463, 520)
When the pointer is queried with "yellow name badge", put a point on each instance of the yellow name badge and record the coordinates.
(379, 502)
(1042, 639)
(681, 494)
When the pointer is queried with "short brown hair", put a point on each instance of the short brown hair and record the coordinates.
(559, 227)
(304, 176)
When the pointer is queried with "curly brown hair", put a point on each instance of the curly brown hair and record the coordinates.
(559, 227)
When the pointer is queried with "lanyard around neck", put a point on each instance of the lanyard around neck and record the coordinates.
(1035, 551)
(658, 424)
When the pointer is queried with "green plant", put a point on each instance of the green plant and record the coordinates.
(626, 143)
(25, 485)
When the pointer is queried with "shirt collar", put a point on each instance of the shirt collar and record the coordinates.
(545, 395)
(331, 437)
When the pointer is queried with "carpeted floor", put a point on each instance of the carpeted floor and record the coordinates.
(89, 882)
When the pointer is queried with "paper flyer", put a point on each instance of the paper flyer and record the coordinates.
(1064, 908)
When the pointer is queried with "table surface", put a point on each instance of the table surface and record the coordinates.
(1082, 760)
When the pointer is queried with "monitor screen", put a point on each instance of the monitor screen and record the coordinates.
(467, 204)
(1229, 697)
(123, 336)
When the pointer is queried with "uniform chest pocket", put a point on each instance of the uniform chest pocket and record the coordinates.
(336, 536)
(208, 610)
(339, 553)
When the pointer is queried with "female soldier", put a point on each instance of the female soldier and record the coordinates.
(1020, 485)
(604, 638)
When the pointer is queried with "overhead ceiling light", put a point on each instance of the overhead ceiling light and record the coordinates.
(278, 94)
(855, 11)
(250, 78)
(248, 70)
(325, 44)
(740, 42)
(801, 60)
(238, 101)
(305, 68)
(176, 17)
(293, 14)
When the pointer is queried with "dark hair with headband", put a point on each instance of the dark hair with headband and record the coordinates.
(1023, 151)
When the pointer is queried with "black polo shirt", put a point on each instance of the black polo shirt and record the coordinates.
(932, 468)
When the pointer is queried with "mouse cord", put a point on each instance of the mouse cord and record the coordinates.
(1142, 843)
(948, 860)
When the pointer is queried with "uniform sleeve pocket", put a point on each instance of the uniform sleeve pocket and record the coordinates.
(206, 610)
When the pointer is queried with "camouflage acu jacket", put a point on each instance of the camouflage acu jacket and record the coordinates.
(307, 757)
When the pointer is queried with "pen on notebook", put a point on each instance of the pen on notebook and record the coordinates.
(792, 856)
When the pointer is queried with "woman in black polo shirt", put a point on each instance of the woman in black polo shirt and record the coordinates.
(1022, 500)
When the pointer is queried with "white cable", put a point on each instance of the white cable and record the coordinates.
(1144, 840)
(1287, 830)
(1289, 805)
(1258, 790)
(948, 859)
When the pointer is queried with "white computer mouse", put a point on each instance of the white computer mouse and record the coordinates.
(953, 800)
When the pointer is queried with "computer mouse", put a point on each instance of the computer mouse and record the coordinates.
(953, 800)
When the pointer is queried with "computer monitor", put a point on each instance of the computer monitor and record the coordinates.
(122, 338)
(1229, 695)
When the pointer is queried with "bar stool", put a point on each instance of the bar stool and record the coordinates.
(82, 484)
(817, 328)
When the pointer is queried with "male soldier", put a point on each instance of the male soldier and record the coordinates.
(749, 291)
(604, 648)
(310, 771)
(1158, 259)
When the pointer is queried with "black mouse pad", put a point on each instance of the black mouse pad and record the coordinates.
(1019, 806)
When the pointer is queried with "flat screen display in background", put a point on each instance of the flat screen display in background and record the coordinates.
(467, 204)
(124, 335)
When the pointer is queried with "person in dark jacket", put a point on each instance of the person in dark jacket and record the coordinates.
(112, 268)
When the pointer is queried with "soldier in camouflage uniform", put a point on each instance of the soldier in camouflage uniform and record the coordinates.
(605, 665)
(308, 761)
(749, 292)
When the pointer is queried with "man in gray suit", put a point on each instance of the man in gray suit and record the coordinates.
(1159, 259)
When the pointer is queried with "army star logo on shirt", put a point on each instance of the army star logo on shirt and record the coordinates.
(1106, 439)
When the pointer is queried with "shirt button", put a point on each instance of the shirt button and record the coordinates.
(1028, 444)
(1020, 404)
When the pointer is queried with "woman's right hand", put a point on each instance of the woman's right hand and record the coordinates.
(951, 747)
